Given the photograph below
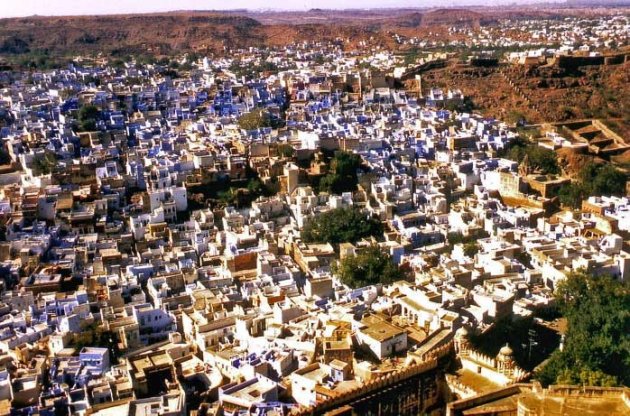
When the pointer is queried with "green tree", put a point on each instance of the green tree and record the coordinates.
(257, 119)
(455, 237)
(545, 160)
(597, 342)
(540, 159)
(346, 164)
(343, 176)
(525, 258)
(227, 197)
(14, 45)
(45, 164)
(255, 186)
(341, 225)
(89, 112)
(572, 195)
(369, 267)
(471, 248)
(94, 335)
(609, 181)
(334, 184)
(593, 179)
(467, 105)
(286, 150)
(239, 197)
(88, 116)
(587, 377)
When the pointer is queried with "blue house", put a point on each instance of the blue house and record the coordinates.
(96, 360)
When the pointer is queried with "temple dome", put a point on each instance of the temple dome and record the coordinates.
(461, 332)
(505, 352)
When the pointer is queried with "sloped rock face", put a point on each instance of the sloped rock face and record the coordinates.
(134, 33)
(544, 94)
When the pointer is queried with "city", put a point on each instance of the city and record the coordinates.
(394, 222)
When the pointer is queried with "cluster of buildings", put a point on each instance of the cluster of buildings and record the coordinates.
(128, 289)
(545, 38)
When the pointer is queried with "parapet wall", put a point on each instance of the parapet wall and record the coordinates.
(380, 383)
(480, 358)
(456, 408)
(552, 392)
(492, 371)
(572, 62)
(586, 391)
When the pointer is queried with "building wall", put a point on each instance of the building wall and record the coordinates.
(385, 348)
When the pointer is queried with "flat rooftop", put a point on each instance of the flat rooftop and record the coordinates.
(382, 331)
(556, 401)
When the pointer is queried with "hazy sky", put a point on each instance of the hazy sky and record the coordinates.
(12, 8)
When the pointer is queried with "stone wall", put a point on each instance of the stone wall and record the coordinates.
(380, 383)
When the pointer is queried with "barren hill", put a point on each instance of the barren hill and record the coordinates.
(160, 33)
(166, 33)
(198, 31)
(541, 94)
(453, 17)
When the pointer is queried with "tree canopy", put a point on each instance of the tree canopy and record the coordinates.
(369, 267)
(471, 248)
(46, 163)
(94, 335)
(257, 119)
(88, 116)
(593, 180)
(5, 157)
(242, 197)
(339, 226)
(286, 150)
(597, 343)
(343, 173)
(540, 159)
(456, 237)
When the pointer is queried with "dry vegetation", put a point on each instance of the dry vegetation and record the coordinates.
(212, 31)
(544, 94)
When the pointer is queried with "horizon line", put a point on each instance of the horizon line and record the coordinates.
(474, 4)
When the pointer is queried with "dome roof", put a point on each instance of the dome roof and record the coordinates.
(461, 332)
(506, 350)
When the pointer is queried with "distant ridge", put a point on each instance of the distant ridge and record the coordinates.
(599, 2)
(212, 31)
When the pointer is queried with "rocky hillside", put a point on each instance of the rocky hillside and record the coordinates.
(508, 92)
(131, 33)
(514, 92)
(198, 31)
(206, 31)
(175, 32)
